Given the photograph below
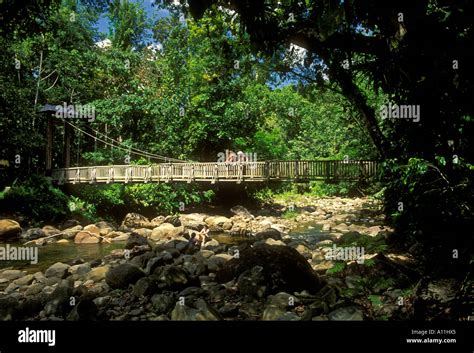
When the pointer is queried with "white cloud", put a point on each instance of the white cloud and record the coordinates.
(103, 44)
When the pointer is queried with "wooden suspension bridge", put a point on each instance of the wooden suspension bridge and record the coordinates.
(175, 170)
(237, 172)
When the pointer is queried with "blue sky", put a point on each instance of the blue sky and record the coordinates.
(152, 12)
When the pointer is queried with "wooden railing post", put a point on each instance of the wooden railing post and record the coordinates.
(240, 170)
(215, 177)
(93, 175)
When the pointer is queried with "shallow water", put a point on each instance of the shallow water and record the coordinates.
(66, 253)
(52, 253)
(310, 232)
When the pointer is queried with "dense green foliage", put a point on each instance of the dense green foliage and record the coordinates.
(200, 91)
(35, 199)
(224, 75)
(412, 53)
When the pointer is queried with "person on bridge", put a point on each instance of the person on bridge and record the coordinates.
(231, 157)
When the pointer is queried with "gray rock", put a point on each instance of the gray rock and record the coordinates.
(32, 233)
(284, 269)
(11, 275)
(289, 316)
(163, 303)
(161, 259)
(144, 286)
(80, 270)
(268, 233)
(135, 220)
(172, 219)
(84, 310)
(348, 313)
(123, 275)
(58, 270)
(252, 283)
(25, 280)
(212, 245)
(59, 300)
(202, 312)
(173, 277)
(241, 211)
(35, 289)
(135, 240)
(8, 308)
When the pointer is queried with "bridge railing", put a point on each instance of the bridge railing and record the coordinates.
(215, 172)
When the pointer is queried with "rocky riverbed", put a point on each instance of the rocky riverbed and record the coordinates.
(269, 264)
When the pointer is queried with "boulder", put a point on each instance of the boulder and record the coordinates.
(163, 303)
(201, 312)
(92, 228)
(212, 245)
(70, 233)
(59, 300)
(348, 313)
(174, 220)
(9, 229)
(135, 240)
(80, 270)
(158, 220)
(218, 224)
(8, 308)
(123, 275)
(166, 231)
(105, 227)
(119, 236)
(241, 211)
(252, 283)
(193, 221)
(32, 233)
(11, 275)
(173, 277)
(268, 233)
(217, 261)
(280, 227)
(58, 270)
(85, 310)
(135, 220)
(304, 250)
(86, 237)
(50, 230)
(271, 241)
(161, 259)
(283, 268)
(144, 232)
(144, 286)
(98, 274)
(70, 223)
(24, 281)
